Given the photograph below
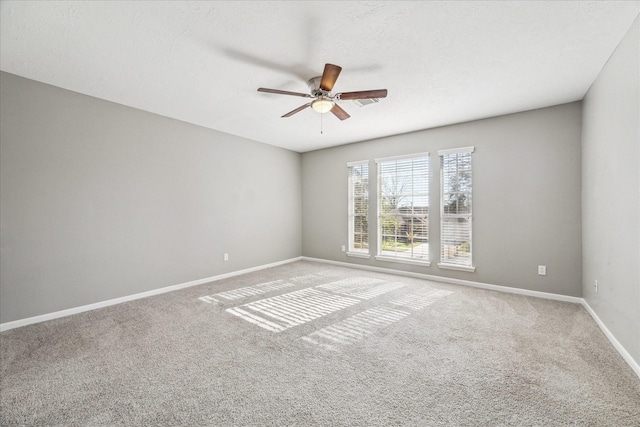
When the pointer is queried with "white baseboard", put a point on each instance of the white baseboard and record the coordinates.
(616, 344)
(63, 313)
(507, 289)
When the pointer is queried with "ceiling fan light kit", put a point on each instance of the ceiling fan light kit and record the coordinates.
(324, 101)
(322, 105)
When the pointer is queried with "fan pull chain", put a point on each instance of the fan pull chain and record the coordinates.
(321, 122)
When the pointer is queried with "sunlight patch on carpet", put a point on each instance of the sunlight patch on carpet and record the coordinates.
(418, 302)
(292, 309)
(361, 287)
(247, 291)
(307, 279)
(330, 273)
(355, 328)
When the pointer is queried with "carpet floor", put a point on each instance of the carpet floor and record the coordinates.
(310, 344)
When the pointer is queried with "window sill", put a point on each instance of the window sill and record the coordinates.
(358, 255)
(456, 267)
(403, 260)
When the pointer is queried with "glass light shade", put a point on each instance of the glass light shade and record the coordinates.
(322, 105)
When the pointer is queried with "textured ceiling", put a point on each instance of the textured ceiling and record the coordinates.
(201, 62)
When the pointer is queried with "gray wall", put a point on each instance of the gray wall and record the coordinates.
(100, 201)
(611, 194)
(526, 198)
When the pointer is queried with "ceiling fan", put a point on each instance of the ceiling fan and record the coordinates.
(324, 101)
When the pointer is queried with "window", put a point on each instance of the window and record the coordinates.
(358, 209)
(455, 209)
(403, 209)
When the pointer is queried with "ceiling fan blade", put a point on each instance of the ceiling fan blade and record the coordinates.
(284, 92)
(329, 76)
(378, 93)
(339, 112)
(297, 110)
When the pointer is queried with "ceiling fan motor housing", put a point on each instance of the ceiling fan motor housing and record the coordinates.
(314, 87)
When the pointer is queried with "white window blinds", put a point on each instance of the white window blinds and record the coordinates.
(403, 208)
(359, 207)
(456, 208)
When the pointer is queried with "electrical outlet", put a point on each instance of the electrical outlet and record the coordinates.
(595, 285)
(226, 257)
(344, 248)
(542, 270)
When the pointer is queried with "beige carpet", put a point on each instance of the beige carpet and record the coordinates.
(308, 344)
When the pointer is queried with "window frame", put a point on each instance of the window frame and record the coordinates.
(402, 259)
(445, 263)
(351, 198)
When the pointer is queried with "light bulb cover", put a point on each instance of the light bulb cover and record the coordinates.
(322, 105)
